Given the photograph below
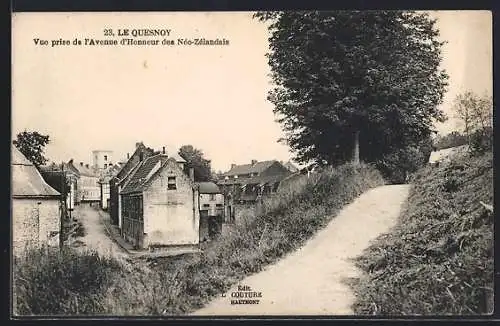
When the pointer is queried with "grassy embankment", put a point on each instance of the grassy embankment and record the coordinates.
(439, 259)
(52, 282)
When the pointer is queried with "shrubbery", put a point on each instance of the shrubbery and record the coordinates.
(48, 281)
(439, 259)
(396, 166)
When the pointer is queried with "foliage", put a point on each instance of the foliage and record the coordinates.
(439, 259)
(48, 281)
(481, 141)
(475, 112)
(178, 285)
(453, 139)
(32, 145)
(476, 115)
(194, 158)
(398, 165)
(339, 73)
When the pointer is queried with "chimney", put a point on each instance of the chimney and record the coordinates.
(254, 161)
(141, 156)
(163, 150)
(137, 145)
(81, 163)
(233, 165)
(128, 156)
(191, 174)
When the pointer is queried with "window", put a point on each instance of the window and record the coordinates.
(212, 197)
(171, 183)
(105, 166)
(105, 157)
(206, 205)
(218, 205)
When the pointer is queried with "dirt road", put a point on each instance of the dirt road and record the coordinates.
(96, 237)
(310, 281)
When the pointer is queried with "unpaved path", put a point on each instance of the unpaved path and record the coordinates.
(310, 281)
(96, 237)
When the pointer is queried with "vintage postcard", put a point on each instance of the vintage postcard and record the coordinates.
(286, 163)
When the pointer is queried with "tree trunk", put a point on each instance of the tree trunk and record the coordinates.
(355, 155)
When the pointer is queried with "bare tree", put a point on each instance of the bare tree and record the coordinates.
(474, 111)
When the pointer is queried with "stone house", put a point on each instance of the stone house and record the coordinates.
(211, 206)
(116, 182)
(36, 206)
(89, 190)
(249, 182)
(159, 204)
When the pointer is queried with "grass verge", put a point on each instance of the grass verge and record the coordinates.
(439, 259)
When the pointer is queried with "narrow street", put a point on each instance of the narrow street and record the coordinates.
(96, 237)
(311, 280)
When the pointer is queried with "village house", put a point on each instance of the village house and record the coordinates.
(63, 178)
(102, 160)
(36, 206)
(211, 206)
(116, 182)
(159, 204)
(249, 182)
(104, 183)
(89, 190)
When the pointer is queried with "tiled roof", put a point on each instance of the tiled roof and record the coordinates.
(208, 188)
(27, 180)
(129, 165)
(139, 178)
(249, 168)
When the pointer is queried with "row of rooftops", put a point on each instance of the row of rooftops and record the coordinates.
(151, 161)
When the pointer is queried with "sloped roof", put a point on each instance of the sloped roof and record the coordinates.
(85, 171)
(208, 188)
(249, 168)
(139, 178)
(27, 180)
(129, 164)
(178, 158)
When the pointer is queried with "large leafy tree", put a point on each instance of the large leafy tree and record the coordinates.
(32, 145)
(354, 84)
(195, 159)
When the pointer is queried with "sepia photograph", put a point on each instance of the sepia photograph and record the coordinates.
(266, 163)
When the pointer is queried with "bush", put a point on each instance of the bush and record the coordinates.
(396, 166)
(439, 259)
(481, 141)
(48, 281)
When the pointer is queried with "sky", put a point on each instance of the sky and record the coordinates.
(214, 98)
